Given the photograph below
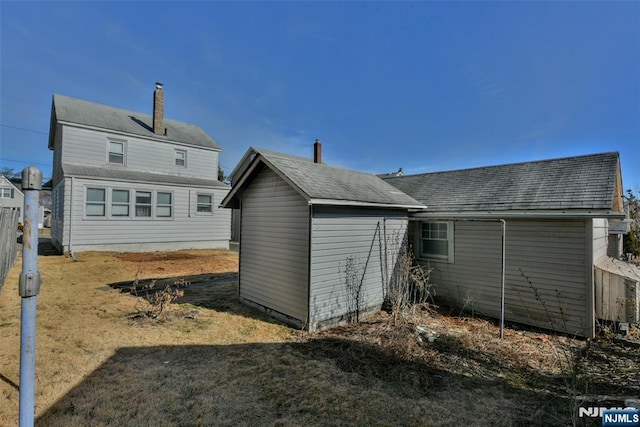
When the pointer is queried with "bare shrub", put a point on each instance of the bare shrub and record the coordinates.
(152, 302)
(408, 289)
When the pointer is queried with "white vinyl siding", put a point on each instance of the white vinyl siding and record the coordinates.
(89, 147)
(274, 246)
(181, 231)
(600, 237)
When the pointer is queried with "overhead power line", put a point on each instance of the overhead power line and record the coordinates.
(24, 129)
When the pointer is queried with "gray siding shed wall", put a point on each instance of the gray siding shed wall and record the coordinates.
(547, 282)
(351, 243)
(274, 246)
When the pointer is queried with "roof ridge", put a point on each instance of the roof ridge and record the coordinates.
(531, 162)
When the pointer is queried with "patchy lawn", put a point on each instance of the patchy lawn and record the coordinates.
(212, 361)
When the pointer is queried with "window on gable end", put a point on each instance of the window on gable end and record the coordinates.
(181, 158)
(116, 152)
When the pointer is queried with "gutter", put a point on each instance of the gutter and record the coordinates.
(519, 214)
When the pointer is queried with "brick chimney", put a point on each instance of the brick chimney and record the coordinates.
(317, 152)
(158, 110)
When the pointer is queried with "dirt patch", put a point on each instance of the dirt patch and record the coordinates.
(155, 257)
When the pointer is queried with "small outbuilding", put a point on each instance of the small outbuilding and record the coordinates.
(317, 242)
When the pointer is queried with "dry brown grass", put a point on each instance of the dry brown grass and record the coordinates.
(230, 365)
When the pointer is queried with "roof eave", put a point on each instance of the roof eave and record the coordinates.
(565, 214)
(355, 203)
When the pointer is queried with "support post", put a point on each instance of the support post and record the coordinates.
(28, 287)
(503, 229)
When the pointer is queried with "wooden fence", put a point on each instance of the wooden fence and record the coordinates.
(8, 242)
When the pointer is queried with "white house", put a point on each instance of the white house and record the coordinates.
(11, 196)
(129, 181)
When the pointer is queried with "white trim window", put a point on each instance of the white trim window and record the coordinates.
(436, 240)
(181, 158)
(143, 204)
(96, 202)
(204, 204)
(116, 153)
(164, 204)
(6, 193)
(120, 203)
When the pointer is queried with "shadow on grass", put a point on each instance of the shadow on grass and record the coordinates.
(300, 383)
(214, 291)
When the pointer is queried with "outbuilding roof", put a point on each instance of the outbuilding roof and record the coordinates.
(319, 183)
(76, 111)
(588, 185)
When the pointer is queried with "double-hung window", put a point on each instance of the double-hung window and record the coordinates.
(143, 204)
(181, 158)
(96, 202)
(436, 240)
(6, 193)
(116, 152)
(205, 203)
(164, 205)
(120, 203)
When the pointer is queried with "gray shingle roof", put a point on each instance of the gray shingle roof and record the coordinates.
(87, 113)
(321, 182)
(580, 183)
(124, 175)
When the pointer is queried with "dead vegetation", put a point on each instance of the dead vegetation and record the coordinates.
(230, 365)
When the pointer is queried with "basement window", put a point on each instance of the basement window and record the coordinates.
(436, 240)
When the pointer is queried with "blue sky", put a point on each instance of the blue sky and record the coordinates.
(426, 86)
